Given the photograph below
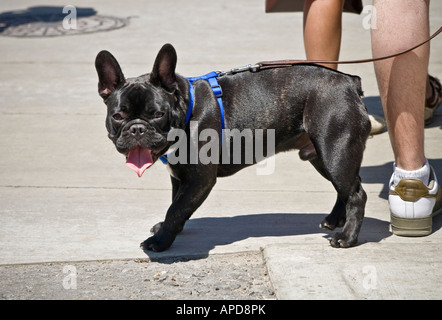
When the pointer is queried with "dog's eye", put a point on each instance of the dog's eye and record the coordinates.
(117, 117)
(158, 114)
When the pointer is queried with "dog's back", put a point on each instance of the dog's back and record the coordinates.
(296, 102)
(276, 98)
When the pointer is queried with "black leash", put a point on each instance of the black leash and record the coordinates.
(290, 62)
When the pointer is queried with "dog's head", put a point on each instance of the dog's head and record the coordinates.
(142, 110)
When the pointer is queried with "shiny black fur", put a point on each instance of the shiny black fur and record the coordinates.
(311, 108)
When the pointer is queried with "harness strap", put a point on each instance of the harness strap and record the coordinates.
(191, 102)
(216, 88)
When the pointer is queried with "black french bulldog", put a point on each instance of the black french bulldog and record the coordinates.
(311, 108)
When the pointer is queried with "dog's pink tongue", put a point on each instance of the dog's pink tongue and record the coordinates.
(139, 159)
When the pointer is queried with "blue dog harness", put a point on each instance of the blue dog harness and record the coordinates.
(216, 88)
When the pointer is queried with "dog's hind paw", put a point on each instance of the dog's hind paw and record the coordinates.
(156, 228)
(340, 240)
(330, 222)
(326, 226)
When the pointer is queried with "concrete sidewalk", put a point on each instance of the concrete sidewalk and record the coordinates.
(66, 195)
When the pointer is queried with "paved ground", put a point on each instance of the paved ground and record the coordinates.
(69, 208)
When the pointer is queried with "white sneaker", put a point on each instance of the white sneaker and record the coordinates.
(413, 205)
(377, 124)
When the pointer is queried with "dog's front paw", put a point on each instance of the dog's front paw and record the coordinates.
(340, 240)
(161, 241)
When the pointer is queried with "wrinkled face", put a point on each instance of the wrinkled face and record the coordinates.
(140, 111)
(139, 115)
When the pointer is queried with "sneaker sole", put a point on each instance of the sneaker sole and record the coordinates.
(415, 227)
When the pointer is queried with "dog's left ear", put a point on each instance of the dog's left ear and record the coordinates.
(109, 73)
(163, 72)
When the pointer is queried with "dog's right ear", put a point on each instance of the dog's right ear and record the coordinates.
(109, 72)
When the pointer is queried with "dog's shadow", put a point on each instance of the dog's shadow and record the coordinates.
(201, 235)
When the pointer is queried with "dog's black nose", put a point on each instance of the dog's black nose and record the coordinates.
(137, 130)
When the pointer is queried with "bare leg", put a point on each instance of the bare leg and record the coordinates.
(402, 80)
(322, 29)
(402, 85)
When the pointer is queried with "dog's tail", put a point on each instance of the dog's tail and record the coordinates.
(358, 85)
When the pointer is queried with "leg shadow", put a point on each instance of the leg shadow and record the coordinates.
(201, 235)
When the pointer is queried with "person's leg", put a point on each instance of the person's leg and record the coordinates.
(414, 192)
(322, 29)
(434, 98)
(402, 80)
